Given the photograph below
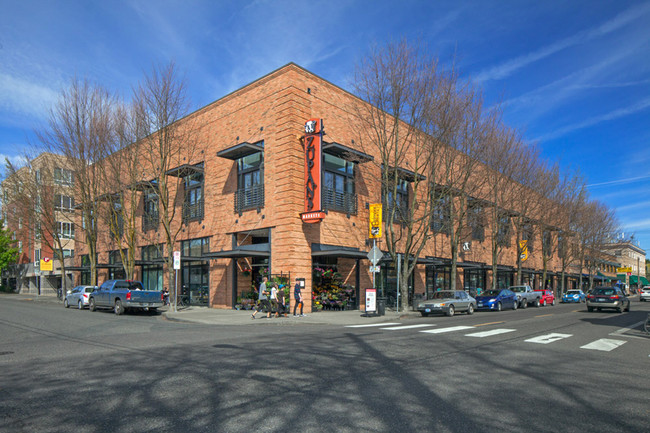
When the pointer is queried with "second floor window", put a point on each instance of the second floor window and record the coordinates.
(63, 176)
(528, 234)
(546, 243)
(503, 230)
(475, 220)
(65, 230)
(63, 202)
(338, 185)
(397, 200)
(193, 206)
(150, 215)
(441, 214)
(250, 182)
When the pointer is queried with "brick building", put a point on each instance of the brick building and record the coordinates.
(243, 193)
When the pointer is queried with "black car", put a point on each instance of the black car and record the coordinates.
(607, 297)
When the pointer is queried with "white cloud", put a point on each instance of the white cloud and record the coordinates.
(25, 98)
(619, 181)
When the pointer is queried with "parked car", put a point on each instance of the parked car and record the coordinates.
(526, 295)
(574, 295)
(497, 300)
(447, 302)
(644, 294)
(78, 296)
(121, 295)
(607, 297)
(547, 297)
(473, 291)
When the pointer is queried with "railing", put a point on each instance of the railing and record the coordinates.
(339, 201)
(192, 211)
(150, 221)
(249, 198)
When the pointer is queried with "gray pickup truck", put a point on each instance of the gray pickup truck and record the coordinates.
(122, 295)
(525, 295)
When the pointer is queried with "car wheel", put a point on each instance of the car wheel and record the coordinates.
(451, 310)
(523, 304)
(80, 305)
(91, 304)
(499, 307)
(590, 309)
(619, 310)
(553, 303)
(537, 303)
(514, 305)
(119, 309)
(470, 309)
(65, 303)
(544, 303)
(424, 314)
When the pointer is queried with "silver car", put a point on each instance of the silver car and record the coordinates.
(447, 302)
(644, 294)
(78, 296)
(607, 297)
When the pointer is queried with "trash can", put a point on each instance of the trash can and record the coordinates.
(381, 306)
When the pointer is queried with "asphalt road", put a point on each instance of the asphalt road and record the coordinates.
(553, 369)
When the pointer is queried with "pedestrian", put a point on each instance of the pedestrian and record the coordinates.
(262, 296)
(166, 296)
(274, 300)
(298, 298)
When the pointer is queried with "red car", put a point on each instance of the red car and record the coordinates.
(547, 297)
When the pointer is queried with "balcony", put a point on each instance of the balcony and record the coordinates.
(192, 211)
(249, 198)
(150, 221)
(339, 201)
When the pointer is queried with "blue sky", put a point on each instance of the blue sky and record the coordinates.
(574, 75)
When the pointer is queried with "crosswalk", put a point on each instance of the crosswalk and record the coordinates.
(603, 344)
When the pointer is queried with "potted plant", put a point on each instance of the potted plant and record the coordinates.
(246, 271)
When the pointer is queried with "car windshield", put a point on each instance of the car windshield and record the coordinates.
(441, 295)
(518, 288)
(131, 285)
(89, 289)
(573, 292)
(606, 292)
(491, 293)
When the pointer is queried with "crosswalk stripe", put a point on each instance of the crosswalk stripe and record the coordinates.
(371, 324)
(397, 328)
(451, 329)
(489, 333)
(548, 338)
(604, 344)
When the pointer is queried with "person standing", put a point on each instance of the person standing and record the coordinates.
(274, 300)
(298, 298)
(262, 296)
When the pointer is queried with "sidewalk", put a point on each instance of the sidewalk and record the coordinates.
(218, 316)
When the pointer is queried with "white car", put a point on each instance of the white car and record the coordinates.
(644, 295)
(78, 296)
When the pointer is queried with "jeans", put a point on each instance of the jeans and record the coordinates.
(296, 306)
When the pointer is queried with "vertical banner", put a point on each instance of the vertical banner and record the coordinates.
(375, 221)
(371, 300)
(313, 157)
(523, 246)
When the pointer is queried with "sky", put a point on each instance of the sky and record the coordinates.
(573, 75)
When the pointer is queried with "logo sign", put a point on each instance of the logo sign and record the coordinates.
(371, 300)
(467, 246)
(375, 269)
(375, 220)
(46, 264)
(313, 156)
(177, 259)
(523, 246)
(624, 270)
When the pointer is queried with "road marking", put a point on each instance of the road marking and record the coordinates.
(548, 338)
(489, 333)
(545, 315)
(372, 324)
(489, 323)
(604, 344)
(627, 328)
(451, 329)
(397, 328)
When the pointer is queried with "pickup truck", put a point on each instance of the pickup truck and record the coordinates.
(121, 295)
(526, 295)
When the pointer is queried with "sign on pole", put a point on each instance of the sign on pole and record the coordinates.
(46, 264)
(375, 221)
(375, 255)
(375, 269)
(177, 260)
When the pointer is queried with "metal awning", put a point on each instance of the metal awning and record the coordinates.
(241, 150)
(320, 250)
(251, 250)
(346, 153)
(184, 170)
(144, 185)
(405, 174)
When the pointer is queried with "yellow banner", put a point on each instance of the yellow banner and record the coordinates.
(46, 264)
(374, 230)
(523, 246)
(624, 270)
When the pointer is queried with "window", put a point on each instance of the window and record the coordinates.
(117, 218)
(63, 202)
(20, 223)
(527, 234)
(561, 246)
(250, 182)
(193, 206)
(63, 176)
(37, 255)
(65, 230)
(151, 215)
(195, 273)
(546, 243)
(20, 246)
(441, 214)
(116, 271)
(399, 202)
(475, 220)
(503, 230)
(68, 253)
(338, 185)
(152, 269)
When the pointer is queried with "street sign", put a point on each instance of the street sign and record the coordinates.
(375, 255)
(375, 269)
(375, 221)
(177, 259)
(371, 300)
(46, 264)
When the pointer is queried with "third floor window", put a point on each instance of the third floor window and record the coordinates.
(63, 176)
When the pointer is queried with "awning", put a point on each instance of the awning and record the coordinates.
(241, 150)
(144, 185)
(633, 279)
(184, 170)
(346, 153)
(405, 174)
(251, 250)
(319, 250)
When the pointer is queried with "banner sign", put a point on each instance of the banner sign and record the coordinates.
(46, 264)
(313, 156)
(523, 246)
(375, 221)
(624, 270)
(371, 300)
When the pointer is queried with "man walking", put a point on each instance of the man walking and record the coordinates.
(298, 298)
(263, 298)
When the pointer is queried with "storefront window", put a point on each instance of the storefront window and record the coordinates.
(328, 290)
(474, 279)
(115, 272)
(195, 274)
(152, 274)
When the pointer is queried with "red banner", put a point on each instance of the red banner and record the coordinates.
(313, 156)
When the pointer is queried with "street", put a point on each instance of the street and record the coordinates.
(536, 370)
